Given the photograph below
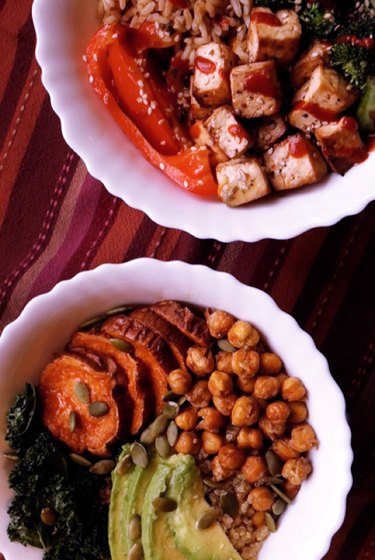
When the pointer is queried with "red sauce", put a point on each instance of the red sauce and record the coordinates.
(262, 82)
(316, 111)
(204, 65)
(350, 124)
(366, 43)
(195, 131)
(237, 130)
(179, 3)
(371, 144)
(265, 18)
(298, 146)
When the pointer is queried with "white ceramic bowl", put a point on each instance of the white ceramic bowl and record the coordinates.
(63, 29)
(48, 321)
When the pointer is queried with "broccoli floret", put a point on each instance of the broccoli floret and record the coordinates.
(353, 61)
(315, 21)
(361, 27)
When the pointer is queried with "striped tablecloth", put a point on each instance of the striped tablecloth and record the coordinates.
(56, 220)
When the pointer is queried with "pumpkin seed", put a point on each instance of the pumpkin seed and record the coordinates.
(159, 425)
(136, 552)
(11, 455)
(117, 310)
(171, 409)
(162, 447)
(182, 400)
(225, 345)
(81, 391)
(72, 420)
(98, 408)
(212, 483)
(79, 460)
(164, 504)
(229, 504)
(270, 522)
(139, 455)
(272, 480)
(121, 344)
(125, 465)
(170, 396)
(207, 520)
(147, 437)
(92, 321)
(134, 528)
(103, 467)
(48, 516)
(274, 463)
(278, 507)
(172, 433)
(281, 494)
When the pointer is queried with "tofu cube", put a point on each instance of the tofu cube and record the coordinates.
(212, 65)
(227, 133)
(316, 55)
(197, 110)
(202, 137)
(341, 144)
(269, 131)
(273, 35)
(294, 162)
(241, 181)
(255, 90)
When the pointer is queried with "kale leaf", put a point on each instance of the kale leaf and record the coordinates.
(20, 417)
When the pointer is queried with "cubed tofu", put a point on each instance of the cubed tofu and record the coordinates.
(294, 162)
(212, 65)
(228, 133)
(269, 131)
(255, 90)
(239, 47)
(341, 144)
(241, 181)
(273, 35)
(316, 55)
(202, 137)
(197, 110)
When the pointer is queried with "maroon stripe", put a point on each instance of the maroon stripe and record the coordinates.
(190, 249)
(272, 261)
(141, 240)
(242, 259)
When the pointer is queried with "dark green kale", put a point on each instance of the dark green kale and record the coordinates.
(356, 63)
(274, 4)
(315, 22)
(20, 417)
(361, 27)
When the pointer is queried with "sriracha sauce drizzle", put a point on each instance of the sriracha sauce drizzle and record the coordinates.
(266, 18)
(297, 146)
(262, 82)
(204, 65)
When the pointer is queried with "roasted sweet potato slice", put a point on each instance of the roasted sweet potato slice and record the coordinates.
(135, 372)
(184, 319)
(149, 347)
(178, 342)
(69, 419)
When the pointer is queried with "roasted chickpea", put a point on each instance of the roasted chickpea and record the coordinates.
(219, 323)
(245, 362)
(270, 363)
(254, 469)
(250, 438)
(218, 472)
(303, 438)
(266, 387)
(180, 381)
(298, 412)
(220, 384)
(225, 404)
(188, 443)
(296, 470)
(200, 360)
(243, 334)
(277, 412)
(270, 429)
(245, 411)
(212, 443)
(199, 396)
(258, 519)
(231, 457)
(293, 389)
(290, 490)
(187, 419)
(224, 361)
(246, 384)
(260, 498)
(283, 450)
(212, 419)
(281, 377)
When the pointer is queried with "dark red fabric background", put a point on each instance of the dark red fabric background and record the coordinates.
(56, 220)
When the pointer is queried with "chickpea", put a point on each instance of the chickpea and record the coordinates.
(296, 470)
(266, 387)
(281, 377)
(250, 438)
(218, 472)
(270, 363)
(270, 429)
(212, 443)
(199, 396)
(298, 412)
(283, 450)
(187, 419)
(258, 519)
(225, 404)
(290, 490)
(245, 362)
(180, 381)
(200, 360)
(293, 389)
(212, 419)
(254, 469)
(245, 411)
(303, 438)
(220, 384)
(278, 412)
(188, 443)
(231, 457)
(246, 384)
(219, 323)
(243, 334)
(260, 498)
(224, 361)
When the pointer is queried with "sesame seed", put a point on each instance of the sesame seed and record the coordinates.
(91, 79)
(115, 36)
(149, 110)
(160, 121)
(95, 57)
(147, 75)
(153, 105)
(84, 58)
(140, 83)
(162, 166)
(163, 143)
(186, 184)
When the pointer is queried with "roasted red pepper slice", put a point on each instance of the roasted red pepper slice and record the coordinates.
(116, 77)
